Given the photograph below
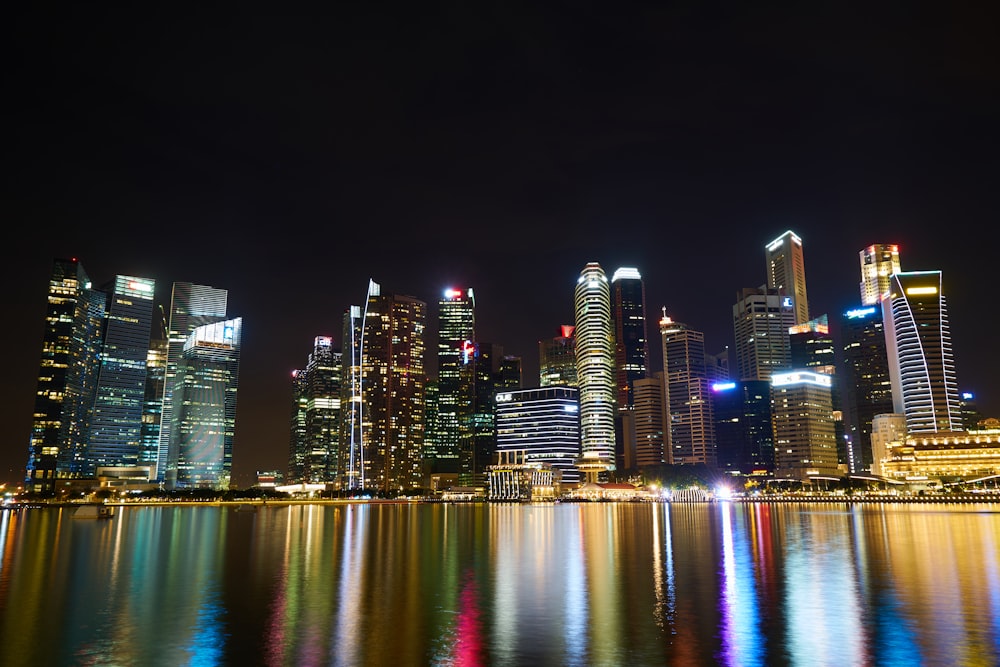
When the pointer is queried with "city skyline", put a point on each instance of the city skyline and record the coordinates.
(290, 172)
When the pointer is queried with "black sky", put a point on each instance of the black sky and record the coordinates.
(290, 158)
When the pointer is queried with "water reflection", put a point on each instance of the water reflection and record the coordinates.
(569, 584)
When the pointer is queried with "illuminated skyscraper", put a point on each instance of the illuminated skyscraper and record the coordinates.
(152, 409)
(866, 382)
(628, 313)
(191, 306)
(557, 359)
(116, 424)
(761, 319)
(392, 391)
(352, 424)
(805, 441)
(456, 379)
(544, 424)
(595, 371)
(918, 346)
(786, 272)
(67, 377)
(878, 262)
(205, 391)
(744, 436)
(314, 453)
(691, 432)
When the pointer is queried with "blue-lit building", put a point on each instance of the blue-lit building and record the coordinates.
(744, 436)
(867, 388)
(544, 424)
(116, 423)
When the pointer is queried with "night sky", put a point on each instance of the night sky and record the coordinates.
(290, 159)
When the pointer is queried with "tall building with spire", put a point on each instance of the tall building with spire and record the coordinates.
(878, 262)
(918, 346)
(67, 378)
(689, 423)
(456, 381)
(786, 272)
(595, 371)
(191, 306)
(392, 389)
(115, 436)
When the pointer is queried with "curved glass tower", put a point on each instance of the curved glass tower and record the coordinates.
(595, 370)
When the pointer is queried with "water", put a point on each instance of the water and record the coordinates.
(559, 584)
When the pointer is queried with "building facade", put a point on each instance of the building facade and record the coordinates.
(691, 431)
(761, 319)
(878, 262)
(595, 371)
(805, 441)
(456, 381)
(918, 346)
(786, 272)
(314, 451)
(557, 359)
(541, 426)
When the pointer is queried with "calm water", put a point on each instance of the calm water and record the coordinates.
(566, 584)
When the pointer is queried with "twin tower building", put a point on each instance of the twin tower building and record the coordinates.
(129, 396)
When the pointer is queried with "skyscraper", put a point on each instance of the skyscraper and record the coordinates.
(650, 425)
(761, 319)
(878, 262)
(595, 371)
(690, 425)
(866, 382)
(314, 452)
(67, 378)
(918, 346)
(152, 409)
(805, 444)
(628, 318)
(392, 387)
(557, 359)
(116, 423)
(191, 306)
(205, 392)
(456, 379)
(786, 272)
(744, 435)
(628, 313)
(544, 424)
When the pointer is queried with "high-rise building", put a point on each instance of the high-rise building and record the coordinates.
(867, 387)
(557, 359)
(544, 424)
(918, 346)
(744, 436)
(456, 379)
(152, 408)
(116, 424)
(510, 373)
(805, 441)
(352, 422)
(475, 460)
(191, 306)
(314, 452)
(628, 318)
(392, 391)
(628, 314)
(878, 262)
(648, 414)
(67, 378)
(761, 319)
(595, 371)
(205, 392)
(786, 272)
(690, 425)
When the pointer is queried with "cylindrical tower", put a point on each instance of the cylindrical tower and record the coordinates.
(595, 370)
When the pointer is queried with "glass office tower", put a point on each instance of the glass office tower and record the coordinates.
(786, 272)
(116, 423)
